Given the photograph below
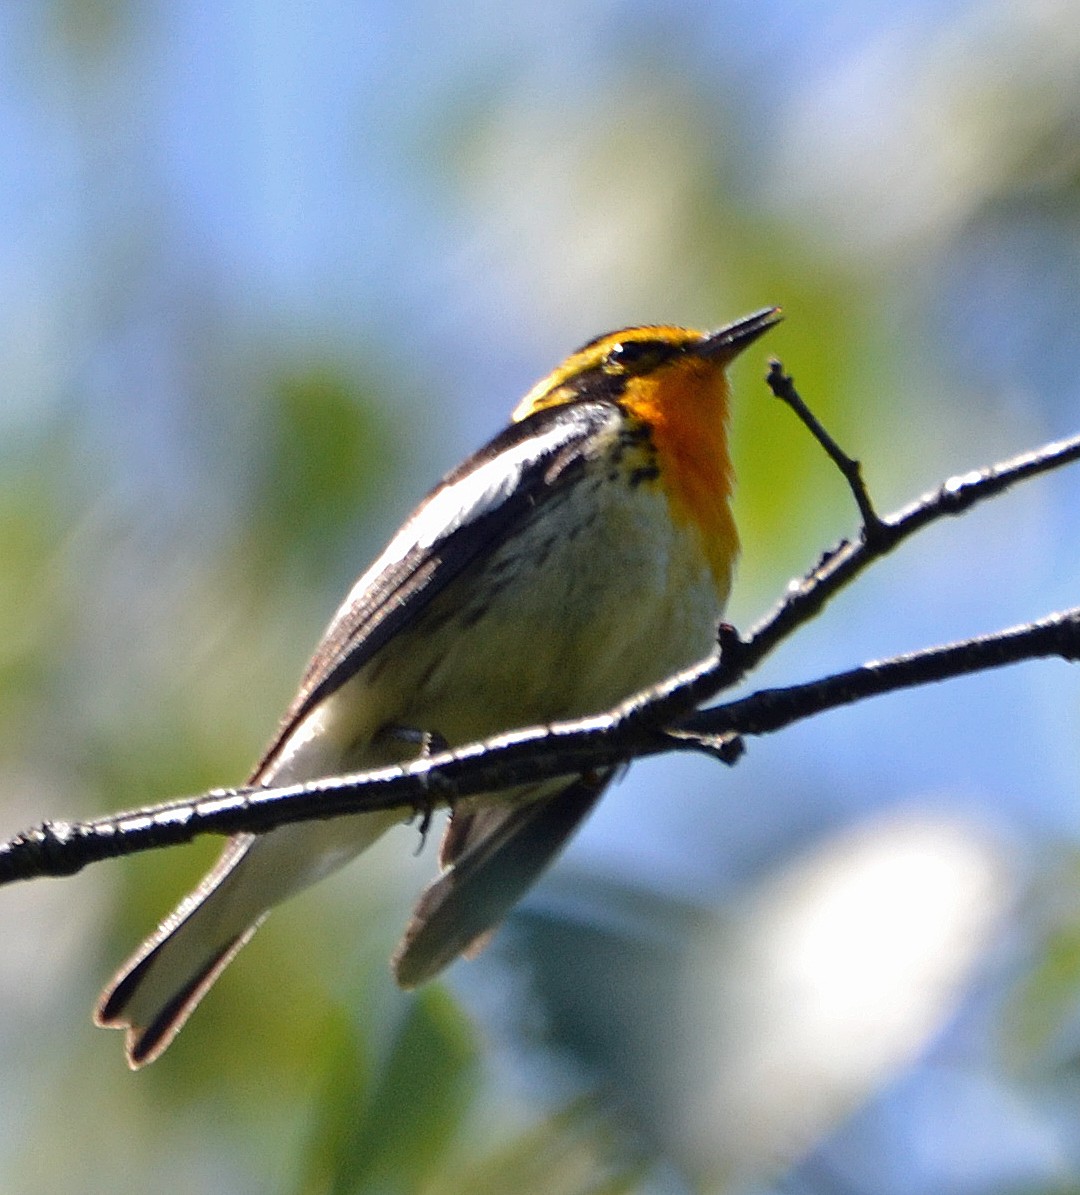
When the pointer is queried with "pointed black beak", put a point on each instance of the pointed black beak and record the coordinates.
(728, 342)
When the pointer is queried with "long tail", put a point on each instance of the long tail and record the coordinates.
(157, 989)
(492, 857)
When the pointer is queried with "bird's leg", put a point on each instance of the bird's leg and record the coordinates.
(431, 742)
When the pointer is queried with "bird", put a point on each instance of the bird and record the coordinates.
(582, 555)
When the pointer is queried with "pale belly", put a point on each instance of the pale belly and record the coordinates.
(605, 600)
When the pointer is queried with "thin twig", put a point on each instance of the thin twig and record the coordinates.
(769, 710)
(837, 568)
(783, 387)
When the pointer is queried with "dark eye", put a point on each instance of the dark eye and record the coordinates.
(634, 356)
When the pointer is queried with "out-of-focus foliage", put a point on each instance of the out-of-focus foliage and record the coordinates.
(264, 275)
(322, 459)
(366, 1136)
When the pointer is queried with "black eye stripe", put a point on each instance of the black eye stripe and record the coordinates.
(629, 352)
(639, 355)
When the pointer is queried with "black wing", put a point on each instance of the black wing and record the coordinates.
(470, 511)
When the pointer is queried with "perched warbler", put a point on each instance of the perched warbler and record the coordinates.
(585, 553)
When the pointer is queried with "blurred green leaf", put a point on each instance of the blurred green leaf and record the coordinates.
(569, 1153)
(390, 1130)
(346, 1084)
(1045, 1002)
(322, 459)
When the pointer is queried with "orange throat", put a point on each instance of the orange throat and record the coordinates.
(686, 410)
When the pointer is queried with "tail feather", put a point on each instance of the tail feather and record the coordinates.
(494, 858)
(157, 989)
(148, 1037)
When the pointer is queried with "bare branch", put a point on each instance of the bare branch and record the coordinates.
(783, 386)
(665, 718)
(566, 748)
(843, 563)
(769, 710)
